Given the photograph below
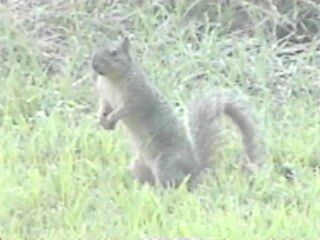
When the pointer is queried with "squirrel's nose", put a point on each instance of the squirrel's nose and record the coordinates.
(95, 63)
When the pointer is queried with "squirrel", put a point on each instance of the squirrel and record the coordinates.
(167, 152)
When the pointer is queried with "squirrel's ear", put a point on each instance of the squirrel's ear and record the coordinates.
(125, 45)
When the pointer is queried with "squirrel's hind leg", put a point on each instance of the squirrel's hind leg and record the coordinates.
(141, 172)
(167, 175)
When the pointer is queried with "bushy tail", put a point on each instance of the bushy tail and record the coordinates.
(205, 128)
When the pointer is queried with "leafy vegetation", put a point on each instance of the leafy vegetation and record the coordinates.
(63, 177)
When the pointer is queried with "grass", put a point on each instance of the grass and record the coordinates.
(62, 177)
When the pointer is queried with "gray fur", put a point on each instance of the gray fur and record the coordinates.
(166, 152)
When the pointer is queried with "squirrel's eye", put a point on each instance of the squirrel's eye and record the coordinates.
(114, 53)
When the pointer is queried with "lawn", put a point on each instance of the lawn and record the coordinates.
(64, 177)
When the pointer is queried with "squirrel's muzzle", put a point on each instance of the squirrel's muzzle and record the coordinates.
(97, 64)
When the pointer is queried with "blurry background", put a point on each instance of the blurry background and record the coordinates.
(63, 177)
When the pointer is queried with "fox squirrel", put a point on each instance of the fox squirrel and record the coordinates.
(166, 151)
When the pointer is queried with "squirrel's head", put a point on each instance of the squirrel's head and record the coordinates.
(113, 59)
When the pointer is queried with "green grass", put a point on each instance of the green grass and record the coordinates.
(63, 177)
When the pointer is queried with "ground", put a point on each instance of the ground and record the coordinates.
(63, 177)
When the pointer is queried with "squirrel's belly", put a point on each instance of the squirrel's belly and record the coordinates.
(108, 92)
(153, 141)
